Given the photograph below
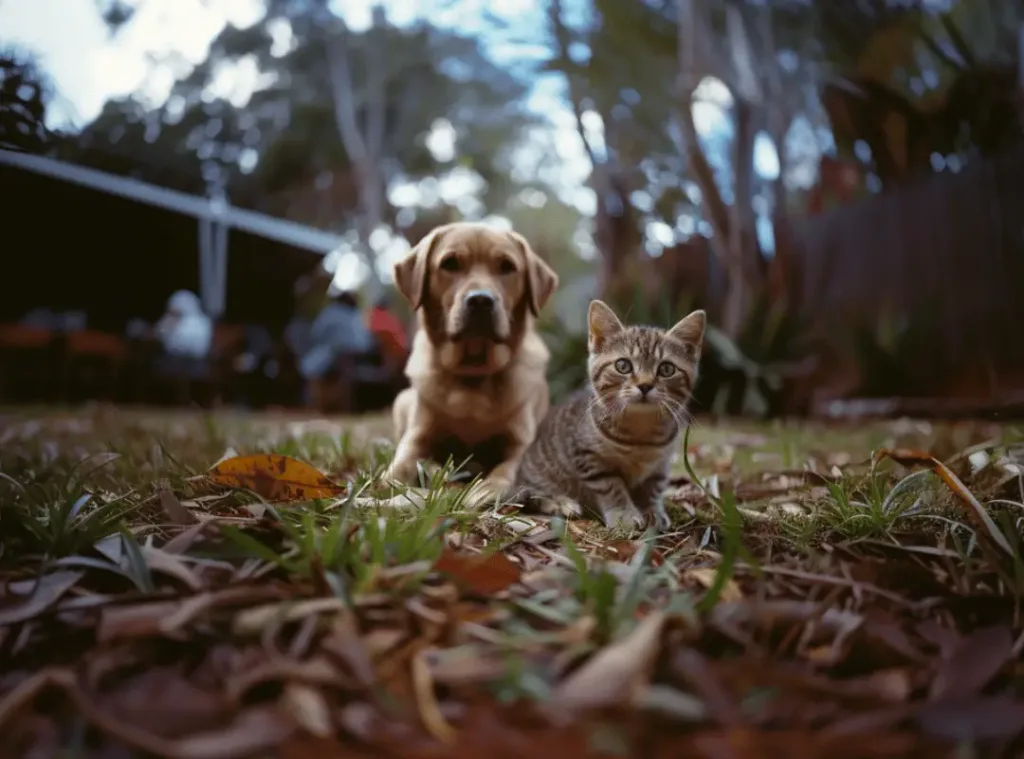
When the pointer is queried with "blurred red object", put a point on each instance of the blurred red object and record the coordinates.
(390, 333)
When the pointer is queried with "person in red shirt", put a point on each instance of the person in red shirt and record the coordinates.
(390, 333)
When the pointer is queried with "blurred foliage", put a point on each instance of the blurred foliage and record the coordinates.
(747, 376)
(896, 356)
(892, 84)
(743, 377)
(912, 79)
(25, 93)
(280, 151)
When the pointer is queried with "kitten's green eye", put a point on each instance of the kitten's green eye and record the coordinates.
(666, 369)
(623, 366)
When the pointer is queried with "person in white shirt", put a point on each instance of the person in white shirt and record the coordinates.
(184, 330)
(186, 336)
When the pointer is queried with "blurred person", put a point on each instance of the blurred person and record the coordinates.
(185, 333)
(296, 332)
(392, 338)
(63, 321)
(311, 295)
(338, 339)
(255, 368)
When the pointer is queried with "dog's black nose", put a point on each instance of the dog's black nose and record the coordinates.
(645, 388)
(479, 300)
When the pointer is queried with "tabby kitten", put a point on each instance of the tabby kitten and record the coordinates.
(608, 447)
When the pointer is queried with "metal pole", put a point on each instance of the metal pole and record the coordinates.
(280, 230)
(213, 266)
(220, 257)
(205, 265)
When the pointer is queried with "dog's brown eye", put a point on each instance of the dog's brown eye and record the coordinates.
(623, 366)
(449, 264)
(666, 369)
(506, 266)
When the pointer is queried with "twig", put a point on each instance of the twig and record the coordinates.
(842, 581)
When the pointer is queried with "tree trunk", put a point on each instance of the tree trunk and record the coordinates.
(734, 233)
(728, 238)
(615, 233)
(364, 149)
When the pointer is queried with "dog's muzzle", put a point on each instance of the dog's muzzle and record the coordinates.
(479, 310)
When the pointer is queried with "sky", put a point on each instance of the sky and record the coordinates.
(88, 67)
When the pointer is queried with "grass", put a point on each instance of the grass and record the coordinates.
(811, 599)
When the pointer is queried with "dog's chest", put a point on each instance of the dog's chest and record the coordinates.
(472, 413)
(477, 414)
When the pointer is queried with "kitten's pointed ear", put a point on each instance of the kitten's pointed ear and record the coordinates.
(603, 324)
(690, 330)
(411, 272)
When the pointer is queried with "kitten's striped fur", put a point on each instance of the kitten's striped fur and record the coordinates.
(607, 449)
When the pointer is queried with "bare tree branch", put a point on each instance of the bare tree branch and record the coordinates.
(376, 73)
(733, 238)
(747, 83)
(963, 49)
(561, 34)
(690, 75)
(776, 100)
(364, 149)
(344, 96)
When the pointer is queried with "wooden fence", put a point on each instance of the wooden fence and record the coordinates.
(945, 253)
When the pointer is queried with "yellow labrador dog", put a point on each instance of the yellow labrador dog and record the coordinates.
(477, 366)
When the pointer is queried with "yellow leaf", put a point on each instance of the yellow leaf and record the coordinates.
(706, 577)
(275, 478)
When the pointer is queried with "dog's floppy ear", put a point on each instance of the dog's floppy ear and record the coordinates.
(411, 271)
(541, 279)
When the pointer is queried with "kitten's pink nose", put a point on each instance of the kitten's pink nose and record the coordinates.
(645, 388)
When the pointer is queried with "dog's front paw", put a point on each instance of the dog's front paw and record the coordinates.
(623, 517)
(488, 491)
(403, 472)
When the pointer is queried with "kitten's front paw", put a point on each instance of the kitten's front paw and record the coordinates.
(624, 517)
(662, 521)
(561, 506)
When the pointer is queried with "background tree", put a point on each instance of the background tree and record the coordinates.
(25, 94)
(329, 161)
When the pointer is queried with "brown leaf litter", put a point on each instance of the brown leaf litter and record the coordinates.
(890, 647)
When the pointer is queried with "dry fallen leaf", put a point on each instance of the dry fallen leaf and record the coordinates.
(309, 708)
(276, 478)
(706, 577)
(47, 591)
(430, 712)
(616, 673)
(973, 662)
(479, 574)
(174, 509)
(172, 565)
(972, 718)
(161, 701)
